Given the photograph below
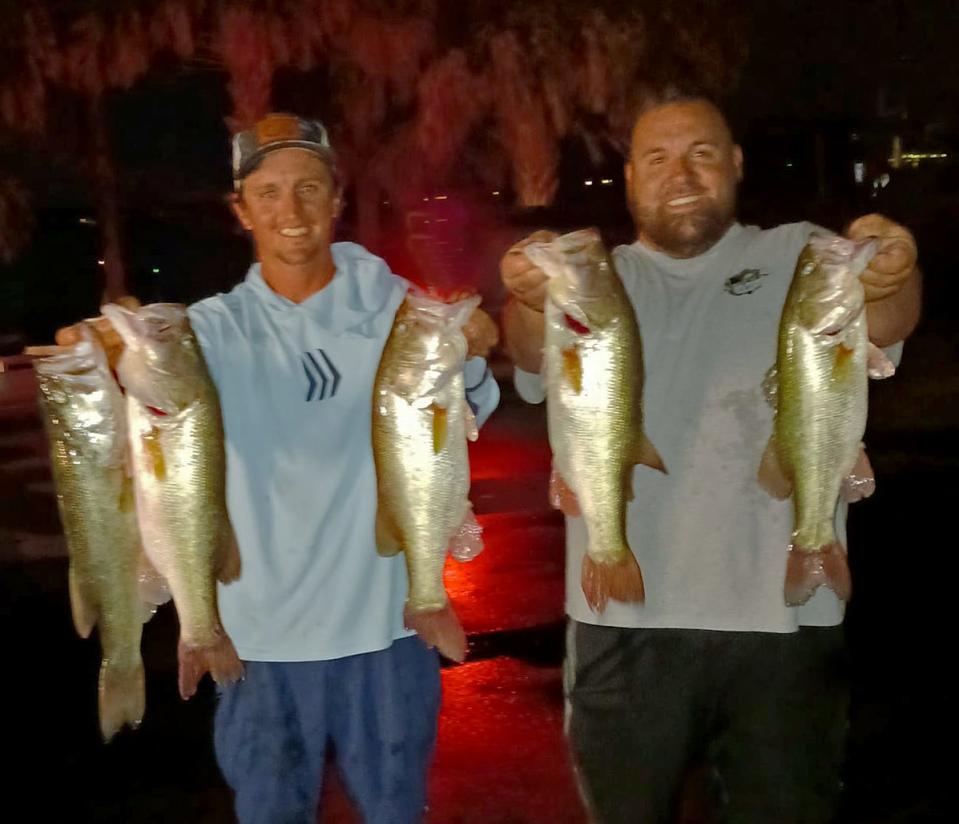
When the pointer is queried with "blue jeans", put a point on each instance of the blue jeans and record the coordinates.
(378, 709)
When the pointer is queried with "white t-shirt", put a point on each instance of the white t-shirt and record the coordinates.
(711, 543)
(296, 386)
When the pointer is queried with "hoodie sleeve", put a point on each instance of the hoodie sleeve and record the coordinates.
(482, 391)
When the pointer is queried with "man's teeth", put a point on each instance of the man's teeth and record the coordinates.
(298, 232)
(682, 201)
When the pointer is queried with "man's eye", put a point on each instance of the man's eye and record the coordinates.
(268, 194)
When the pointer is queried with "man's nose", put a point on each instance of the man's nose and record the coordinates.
(291, 210)
(681, 168)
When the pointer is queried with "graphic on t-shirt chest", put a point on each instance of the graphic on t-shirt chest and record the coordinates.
(322, 377)
(745, 282)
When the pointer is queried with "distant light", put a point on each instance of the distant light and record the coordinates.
(88, 221)
(156, 271)
(859, 171)
(606, 181)
(915, 157)
(495, 194)
(386, 203)
(588, 182)
(426, 200)
(101, 262)
(789, 164)
(439, 197)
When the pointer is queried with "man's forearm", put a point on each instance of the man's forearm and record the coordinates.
(893, 319)
(523, 329)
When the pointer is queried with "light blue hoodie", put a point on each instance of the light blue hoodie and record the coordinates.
(295, 384)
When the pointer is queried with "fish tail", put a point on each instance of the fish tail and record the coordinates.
(808, 569)
(122, 697)
(439, 628)
(621, 580)
(220, 659)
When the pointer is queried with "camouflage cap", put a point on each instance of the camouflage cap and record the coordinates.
(279, 131)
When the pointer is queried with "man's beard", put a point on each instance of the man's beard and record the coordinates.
(688, 234)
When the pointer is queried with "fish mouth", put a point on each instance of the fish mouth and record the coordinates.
(575, 243)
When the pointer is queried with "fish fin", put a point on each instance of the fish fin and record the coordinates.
(807, 570)
(772, 476)
(771, 386)
(122, 697)
(154, 449)
(621, 581)
(387, 542)
(844, 354)
(467, 541)
(228, 566)
(561, 497)
(861, 481)
(152, 587)
(440, 419)
(219, 659)
(648, 455)
(573, 368)
(84, 613)
(878, 364)
(439, 628)
(472, 430)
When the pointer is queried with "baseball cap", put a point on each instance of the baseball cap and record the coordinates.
(279, 131)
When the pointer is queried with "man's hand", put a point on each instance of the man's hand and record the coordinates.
(524, 280)
(481, 334)
(894, 263)
(109, 338)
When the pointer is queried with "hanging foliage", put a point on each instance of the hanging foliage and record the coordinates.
(423, 83)
(16, 218)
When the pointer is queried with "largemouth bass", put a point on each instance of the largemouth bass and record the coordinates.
(176, 441)
(85, 421)
(594, 384)
(421, 423)
(820, 393)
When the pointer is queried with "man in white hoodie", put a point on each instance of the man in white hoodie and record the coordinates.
(317, 614)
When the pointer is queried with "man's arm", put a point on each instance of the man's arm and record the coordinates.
(482, 391)
(893, 319)
(523, 329)
(523, 322)
(892, 281)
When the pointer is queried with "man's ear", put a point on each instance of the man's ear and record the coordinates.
(339, 203)
(239, 209)
(738, 162)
